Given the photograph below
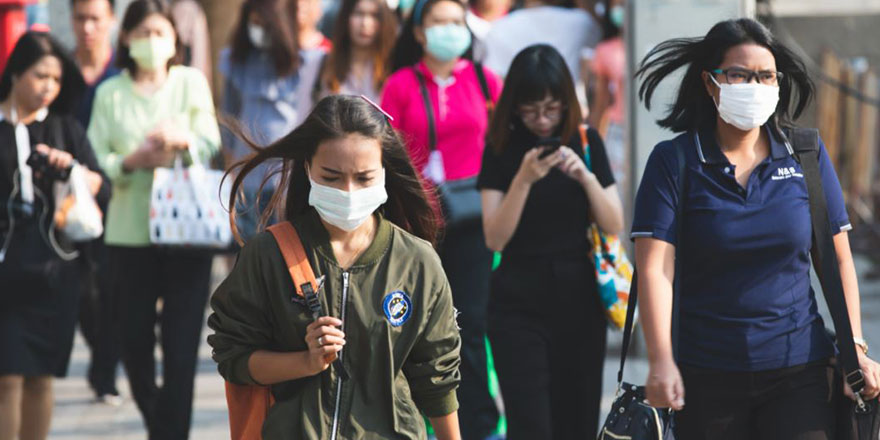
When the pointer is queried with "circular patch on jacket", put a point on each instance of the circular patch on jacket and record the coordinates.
(397, 307)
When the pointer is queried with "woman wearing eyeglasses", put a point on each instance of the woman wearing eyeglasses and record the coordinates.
(546, 323)
(754, 359)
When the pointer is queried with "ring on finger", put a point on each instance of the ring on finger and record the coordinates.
(320, 340)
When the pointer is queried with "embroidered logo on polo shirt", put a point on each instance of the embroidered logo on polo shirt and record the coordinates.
(397, 307)
(783, 173)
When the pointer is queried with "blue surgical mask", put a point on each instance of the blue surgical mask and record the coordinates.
(617, 15)
(447, 42)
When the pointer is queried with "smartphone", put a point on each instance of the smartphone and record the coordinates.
(550, 144)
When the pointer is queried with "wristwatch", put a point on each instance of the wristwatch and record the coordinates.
(861, 343)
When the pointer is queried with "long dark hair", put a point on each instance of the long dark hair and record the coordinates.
(338, 65)
(694, 107)
(135, 14)
(332, 118)
(408, 51)
(537, 71)
(30, 48)
(279, 22)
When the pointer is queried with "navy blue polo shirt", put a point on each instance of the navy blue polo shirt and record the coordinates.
(746, 299)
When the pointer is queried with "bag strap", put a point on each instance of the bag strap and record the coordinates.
(484, 87)
(806, 144)
(294, 256)
(676, 283)
(429, 109)
(582, 129)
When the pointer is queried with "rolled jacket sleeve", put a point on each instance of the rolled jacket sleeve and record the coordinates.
(432, 366)
(240, 319)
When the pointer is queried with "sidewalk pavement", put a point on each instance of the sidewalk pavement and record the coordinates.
(78, 418)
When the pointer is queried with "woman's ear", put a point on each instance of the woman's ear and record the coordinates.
(711, 87)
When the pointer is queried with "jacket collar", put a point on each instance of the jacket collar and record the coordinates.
(710, 152)
(314, 232)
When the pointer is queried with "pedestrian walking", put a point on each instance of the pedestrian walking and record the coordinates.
(268, 82)
(141, 120)
(440, 101)
(357, 204)
(547, 324)
(98, 318)
(358, 63)
(40, 141)
(754, 359)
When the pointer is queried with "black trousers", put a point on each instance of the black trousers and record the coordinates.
(181, 279)
(99, 318)
(468, 264)
(793, 403)
(547, 328)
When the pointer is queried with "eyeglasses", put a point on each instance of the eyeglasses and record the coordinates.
(738, 75)
(552, 111)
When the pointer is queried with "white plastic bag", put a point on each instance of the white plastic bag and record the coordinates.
(186, 206)
(77, 214)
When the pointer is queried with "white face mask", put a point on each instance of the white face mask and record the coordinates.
(347, 210)
(258, 36)
(746, 106)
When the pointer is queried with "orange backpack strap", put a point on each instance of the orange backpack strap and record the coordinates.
(294, 256)
(297, 262)
(249, 404)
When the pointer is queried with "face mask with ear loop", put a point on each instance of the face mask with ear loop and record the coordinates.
(347, 210)
(746, 106)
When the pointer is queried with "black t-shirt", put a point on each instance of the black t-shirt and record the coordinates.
(557, 212)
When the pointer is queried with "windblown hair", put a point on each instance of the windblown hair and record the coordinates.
(694, 107)
(332, 118)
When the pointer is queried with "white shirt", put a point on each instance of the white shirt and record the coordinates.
(480, 28)
(569, 30)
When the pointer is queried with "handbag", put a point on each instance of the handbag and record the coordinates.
(613, 269)
(631, 417)
(186, 206)
(860, 419)
(249, 404)
(460, 199)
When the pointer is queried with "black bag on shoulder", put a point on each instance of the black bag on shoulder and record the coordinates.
(860, 419)
(631, 417)
(459, 199)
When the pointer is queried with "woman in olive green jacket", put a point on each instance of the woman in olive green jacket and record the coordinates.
(361, 213)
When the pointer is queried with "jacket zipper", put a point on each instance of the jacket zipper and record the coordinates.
(335, 429)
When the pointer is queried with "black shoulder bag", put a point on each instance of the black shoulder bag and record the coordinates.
(630, 417)
(859, 420)
(459, 199)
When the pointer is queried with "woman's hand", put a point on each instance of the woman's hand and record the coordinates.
(533, 168)
(871, 370)
(150, 154)
(665, 387)
(324, 340)
(59, 159)
(170, 136)
(573, 166)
